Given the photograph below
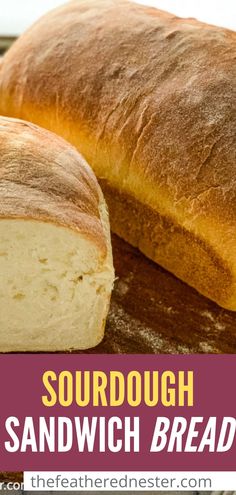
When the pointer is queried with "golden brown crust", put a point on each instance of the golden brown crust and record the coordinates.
(166, 242)
(44, 178)
(149, 99)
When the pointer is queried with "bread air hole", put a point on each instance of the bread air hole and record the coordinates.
(19, 296)
(43, 261)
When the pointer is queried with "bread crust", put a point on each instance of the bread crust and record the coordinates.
(166, 242)
(43, 178)
(150, 100)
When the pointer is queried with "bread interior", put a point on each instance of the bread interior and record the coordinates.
(54, 287)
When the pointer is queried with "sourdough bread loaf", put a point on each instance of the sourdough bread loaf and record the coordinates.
(55, 252)
(150, 101)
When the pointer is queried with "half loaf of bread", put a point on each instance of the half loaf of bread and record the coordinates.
(150, 101)
(56, 271)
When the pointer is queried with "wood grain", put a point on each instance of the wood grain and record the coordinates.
(154, 312)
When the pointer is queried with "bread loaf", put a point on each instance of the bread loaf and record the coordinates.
(55, 253)
(150, 101)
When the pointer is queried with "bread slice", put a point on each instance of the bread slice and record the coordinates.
(55, 252)
(150, 101)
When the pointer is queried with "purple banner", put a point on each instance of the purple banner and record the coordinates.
(113, 412)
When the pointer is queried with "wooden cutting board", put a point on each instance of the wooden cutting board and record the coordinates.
(154, 312)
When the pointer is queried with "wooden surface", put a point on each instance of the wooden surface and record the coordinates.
(154, 312)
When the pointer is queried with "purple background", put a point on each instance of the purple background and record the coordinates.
(21, 390)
